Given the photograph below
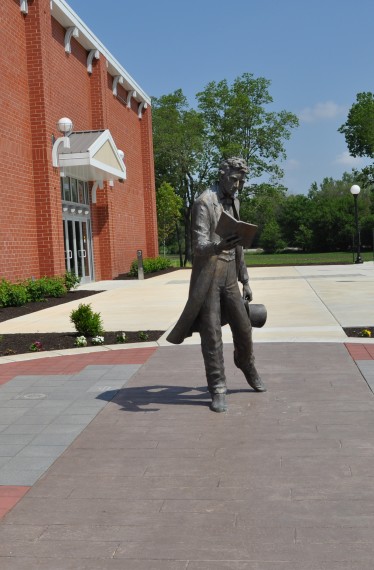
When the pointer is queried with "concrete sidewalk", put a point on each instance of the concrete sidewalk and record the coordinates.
(111, 459)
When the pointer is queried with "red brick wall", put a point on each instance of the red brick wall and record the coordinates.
(41, 84)
(18, 236)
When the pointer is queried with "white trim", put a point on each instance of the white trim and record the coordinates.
(116, 79)
(71, 32)
(77, 159)
(130, 95)
(64, 14)
(142, 106)
(92, 54)
(55, 155)
(97, 184)
(24, 7)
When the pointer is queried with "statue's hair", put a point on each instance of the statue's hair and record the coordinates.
(233, 162)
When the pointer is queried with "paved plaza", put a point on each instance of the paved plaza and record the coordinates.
(111, 459)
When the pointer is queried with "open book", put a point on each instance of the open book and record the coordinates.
(228, 225)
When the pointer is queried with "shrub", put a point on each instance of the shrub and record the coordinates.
(121, 338)
(39, 289)
(81, 341)
(36, 346)
(71, 280)
(4, 293)
(143, 336)
(87, 322)
(18, 295)
(150, 265)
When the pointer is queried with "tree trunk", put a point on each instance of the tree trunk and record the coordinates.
(179, 245)
(187, 235)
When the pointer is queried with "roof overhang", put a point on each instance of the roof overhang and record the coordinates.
(66, 16)
(90, 156)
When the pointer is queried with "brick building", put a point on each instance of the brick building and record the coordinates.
(81, 198)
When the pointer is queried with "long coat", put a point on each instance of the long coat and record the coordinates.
(206, 212)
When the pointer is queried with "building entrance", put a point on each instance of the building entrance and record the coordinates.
(78, 250)
(77, 228)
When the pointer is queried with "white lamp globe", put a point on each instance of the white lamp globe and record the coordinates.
(65, 125)
(121, 154)
(355, 189)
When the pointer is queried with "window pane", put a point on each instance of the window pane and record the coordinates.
(86, 201)
(74, 192)
(66, 186)
(80, 192)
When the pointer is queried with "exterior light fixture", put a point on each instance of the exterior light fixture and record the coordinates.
(355, 190)
(65, 126)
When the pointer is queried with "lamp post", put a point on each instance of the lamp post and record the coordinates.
(355, 190)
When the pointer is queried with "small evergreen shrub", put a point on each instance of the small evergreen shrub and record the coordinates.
(87, 322)
(150, 265)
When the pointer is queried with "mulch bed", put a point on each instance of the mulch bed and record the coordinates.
(20, 343)
(357, 331)
(127, 276)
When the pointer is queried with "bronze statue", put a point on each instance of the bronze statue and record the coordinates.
(214, 296)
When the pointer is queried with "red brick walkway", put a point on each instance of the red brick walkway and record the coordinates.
(361, 351)
(10, 495)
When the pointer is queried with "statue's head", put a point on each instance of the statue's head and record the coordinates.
(233, 172)
(233, 163)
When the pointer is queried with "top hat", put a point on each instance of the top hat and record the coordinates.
(257, 314)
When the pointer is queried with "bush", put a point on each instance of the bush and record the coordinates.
(4, 293)
(150, 265)
(87, 322)
(71, 280)
(39, 289)
(18, 295)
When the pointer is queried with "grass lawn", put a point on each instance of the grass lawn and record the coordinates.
(297, 258)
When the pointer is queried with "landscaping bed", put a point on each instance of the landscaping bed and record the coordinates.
(20, 343)
(359, 332)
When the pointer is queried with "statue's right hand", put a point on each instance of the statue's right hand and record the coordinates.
(229, 242)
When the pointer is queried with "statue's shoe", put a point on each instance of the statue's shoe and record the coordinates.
(254, 380)
(218, 403)
(252, 376)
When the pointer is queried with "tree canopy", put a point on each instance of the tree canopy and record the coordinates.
(359, 126)
(239, 123)
(229, 120)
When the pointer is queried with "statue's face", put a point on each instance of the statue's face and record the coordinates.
(232, 181)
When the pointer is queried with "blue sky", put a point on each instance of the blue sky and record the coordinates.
(318, 55)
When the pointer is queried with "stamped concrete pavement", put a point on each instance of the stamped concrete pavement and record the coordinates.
(112, 459)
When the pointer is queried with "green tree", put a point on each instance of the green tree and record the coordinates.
(181, 151)
(168, 211)
(295, 218)
(239, 123)
(359, 126)
(261, 204)
(332, 213)
(271, 237)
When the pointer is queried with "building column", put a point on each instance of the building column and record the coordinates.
(102, 211)
(46, 180)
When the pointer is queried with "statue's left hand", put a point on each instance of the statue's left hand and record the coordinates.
(247, 292)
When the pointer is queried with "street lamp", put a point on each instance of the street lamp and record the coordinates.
(355, 190)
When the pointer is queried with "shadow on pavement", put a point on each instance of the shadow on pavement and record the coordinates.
(139, 399)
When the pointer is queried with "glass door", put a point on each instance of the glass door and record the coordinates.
(78, 250)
